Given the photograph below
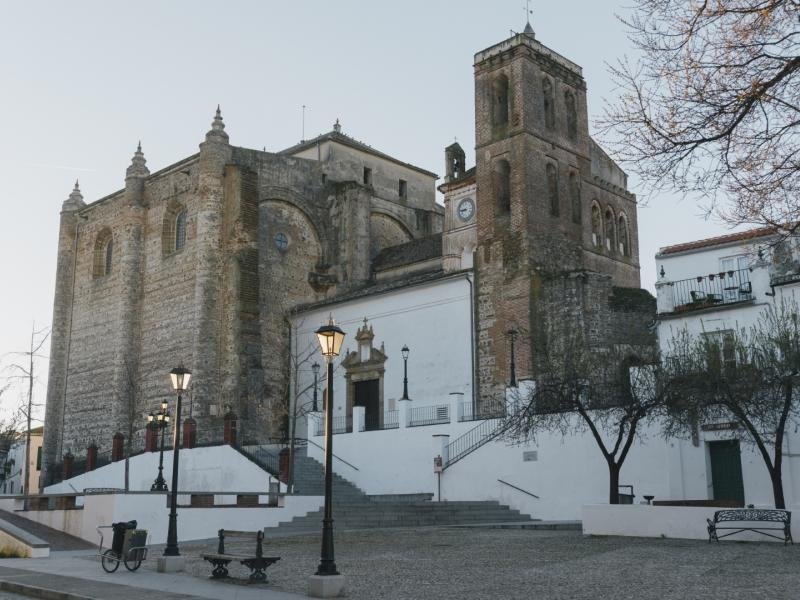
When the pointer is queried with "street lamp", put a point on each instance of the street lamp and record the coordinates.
(330, 341)
(405, 352)
(180, 382)
(160, 420)
(315, 368)
(512, 337)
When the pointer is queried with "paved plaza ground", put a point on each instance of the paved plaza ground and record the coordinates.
(476, 563)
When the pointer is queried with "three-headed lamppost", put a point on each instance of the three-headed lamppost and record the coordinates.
(330, 340)
(180, 382)
(160, 420)
(405, 351)
(315, 368)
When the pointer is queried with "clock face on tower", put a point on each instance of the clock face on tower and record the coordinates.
(466, 208)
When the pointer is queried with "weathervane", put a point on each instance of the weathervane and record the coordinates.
(528, 11)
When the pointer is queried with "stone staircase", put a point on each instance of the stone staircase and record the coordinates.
(369, 515)
(353, 509)
(309, 480)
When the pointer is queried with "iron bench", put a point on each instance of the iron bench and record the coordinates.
(257, 563)
(745, 519)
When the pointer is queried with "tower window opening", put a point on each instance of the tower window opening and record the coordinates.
(572, 115)
(609, 231)
(552, 188)
(575, 197)
(547, 103)
(500, 101)
(597, 237)
(623, 236)
(502, 187)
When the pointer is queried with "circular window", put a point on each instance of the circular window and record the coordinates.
(281, 241)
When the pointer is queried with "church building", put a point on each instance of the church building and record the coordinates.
(226, 261)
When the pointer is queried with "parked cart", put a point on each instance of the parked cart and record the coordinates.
(128, 546)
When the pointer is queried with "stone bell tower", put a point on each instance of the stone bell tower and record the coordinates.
(532, 153)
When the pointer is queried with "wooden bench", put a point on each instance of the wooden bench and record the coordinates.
(257, 563)
(741, 517)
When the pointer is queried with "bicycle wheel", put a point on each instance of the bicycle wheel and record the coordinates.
(110, 561)
(133, 560)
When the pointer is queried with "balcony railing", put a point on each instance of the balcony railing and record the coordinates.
(341, 424)
(374, 422)
(429, 415)
(706, 291)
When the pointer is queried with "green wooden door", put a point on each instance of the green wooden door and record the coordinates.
(726, 471)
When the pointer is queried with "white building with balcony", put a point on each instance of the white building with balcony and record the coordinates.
(714, 287)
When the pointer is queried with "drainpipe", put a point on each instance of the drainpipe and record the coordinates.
(472, 309)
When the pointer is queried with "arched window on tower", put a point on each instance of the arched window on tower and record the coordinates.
(623, 235)
(103, 254)
(500, 101)
(575, 197)
(547, 103)
(180, 230)
(572, 114)
(597, 227)
(502, 187)
(552, 188)
(609, 227)
(173, 231)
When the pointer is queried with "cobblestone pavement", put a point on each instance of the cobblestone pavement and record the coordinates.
(467, 564)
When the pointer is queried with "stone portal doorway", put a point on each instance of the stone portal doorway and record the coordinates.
(367, 394)
(364, 369)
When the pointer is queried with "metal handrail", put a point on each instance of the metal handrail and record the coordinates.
(471, 440)
(519, 489)
(334, 455)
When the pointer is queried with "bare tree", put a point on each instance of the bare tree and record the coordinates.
(713, 104)
(27, 372)
(608, 391)
(749, 377)
(301, 356)
(128, 398)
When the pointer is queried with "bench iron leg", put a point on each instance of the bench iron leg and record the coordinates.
(220, 569)
(258, 576)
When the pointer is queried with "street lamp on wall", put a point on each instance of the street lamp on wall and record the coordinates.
(405, 351)
(330, 339)
(179, 378)
(512, 338)
(160, 420)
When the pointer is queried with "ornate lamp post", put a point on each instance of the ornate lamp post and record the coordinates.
(160, 420)
(330, 340)
(315, 368)
(405, 352)
(180, 382)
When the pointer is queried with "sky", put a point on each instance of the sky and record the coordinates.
(83, 81)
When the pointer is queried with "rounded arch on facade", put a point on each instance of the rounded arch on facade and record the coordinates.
(293, 222)
(386, 230)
